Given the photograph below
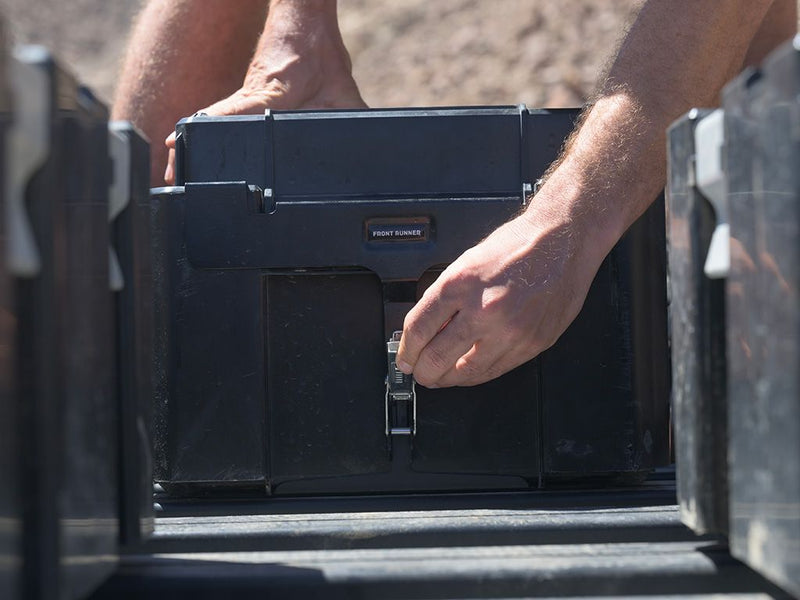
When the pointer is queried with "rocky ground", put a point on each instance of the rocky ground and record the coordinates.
(414, 52)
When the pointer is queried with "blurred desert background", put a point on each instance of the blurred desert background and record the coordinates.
(412, 52)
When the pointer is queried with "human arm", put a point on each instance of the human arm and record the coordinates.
(510, 297)
(183, 55)
(225, 57)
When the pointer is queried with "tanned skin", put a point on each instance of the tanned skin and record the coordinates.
(227, 57)
(510, 297)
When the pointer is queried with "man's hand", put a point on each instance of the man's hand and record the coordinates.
(510, 297)
(502, 302)
(230, 57)
(300, 63)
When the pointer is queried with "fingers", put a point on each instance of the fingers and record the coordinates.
(276, 95)
(470, 369)
(474, 346)
(232, 105)
(484, 364)
(451, 358)
(439, 355)
(431, 315)
(169, 172)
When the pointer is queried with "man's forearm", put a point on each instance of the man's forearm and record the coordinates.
(184, 54)
(678, 54)
(510, 297)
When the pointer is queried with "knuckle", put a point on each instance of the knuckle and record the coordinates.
(436, 359)
(449, 291)
(513, 335)
(498, 299)
(427, 377)
(491, 301)
(412, 346)
(471, 369)
(411, 334)
(493, 306)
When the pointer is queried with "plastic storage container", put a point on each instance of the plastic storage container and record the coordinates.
(697, 320)
(131, 280)
(761, 154)
(10, 496)
(64, 354)
(291, 251)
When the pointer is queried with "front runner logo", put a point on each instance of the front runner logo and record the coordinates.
(398, 230)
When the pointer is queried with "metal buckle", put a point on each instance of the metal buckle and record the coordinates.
(399, 388)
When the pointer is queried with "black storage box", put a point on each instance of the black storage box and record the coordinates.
(762, 150)
(64, 348)
(129, 202)
(697, 321)
(291, 250)
(10, 496)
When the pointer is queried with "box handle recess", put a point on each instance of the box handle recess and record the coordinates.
(27, 148)
(709, 138)
(119, 193)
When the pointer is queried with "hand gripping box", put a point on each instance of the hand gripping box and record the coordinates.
(288, 256)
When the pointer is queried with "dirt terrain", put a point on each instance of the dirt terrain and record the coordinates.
(414, 52)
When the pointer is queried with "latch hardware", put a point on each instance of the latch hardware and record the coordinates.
(401, 395)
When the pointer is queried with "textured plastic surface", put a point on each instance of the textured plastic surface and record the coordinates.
(130, 238)
(697, 318)
(278, 285)
(626, 543)
(761, 152)
(65, 353)
(10, 496)
(709, 137)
